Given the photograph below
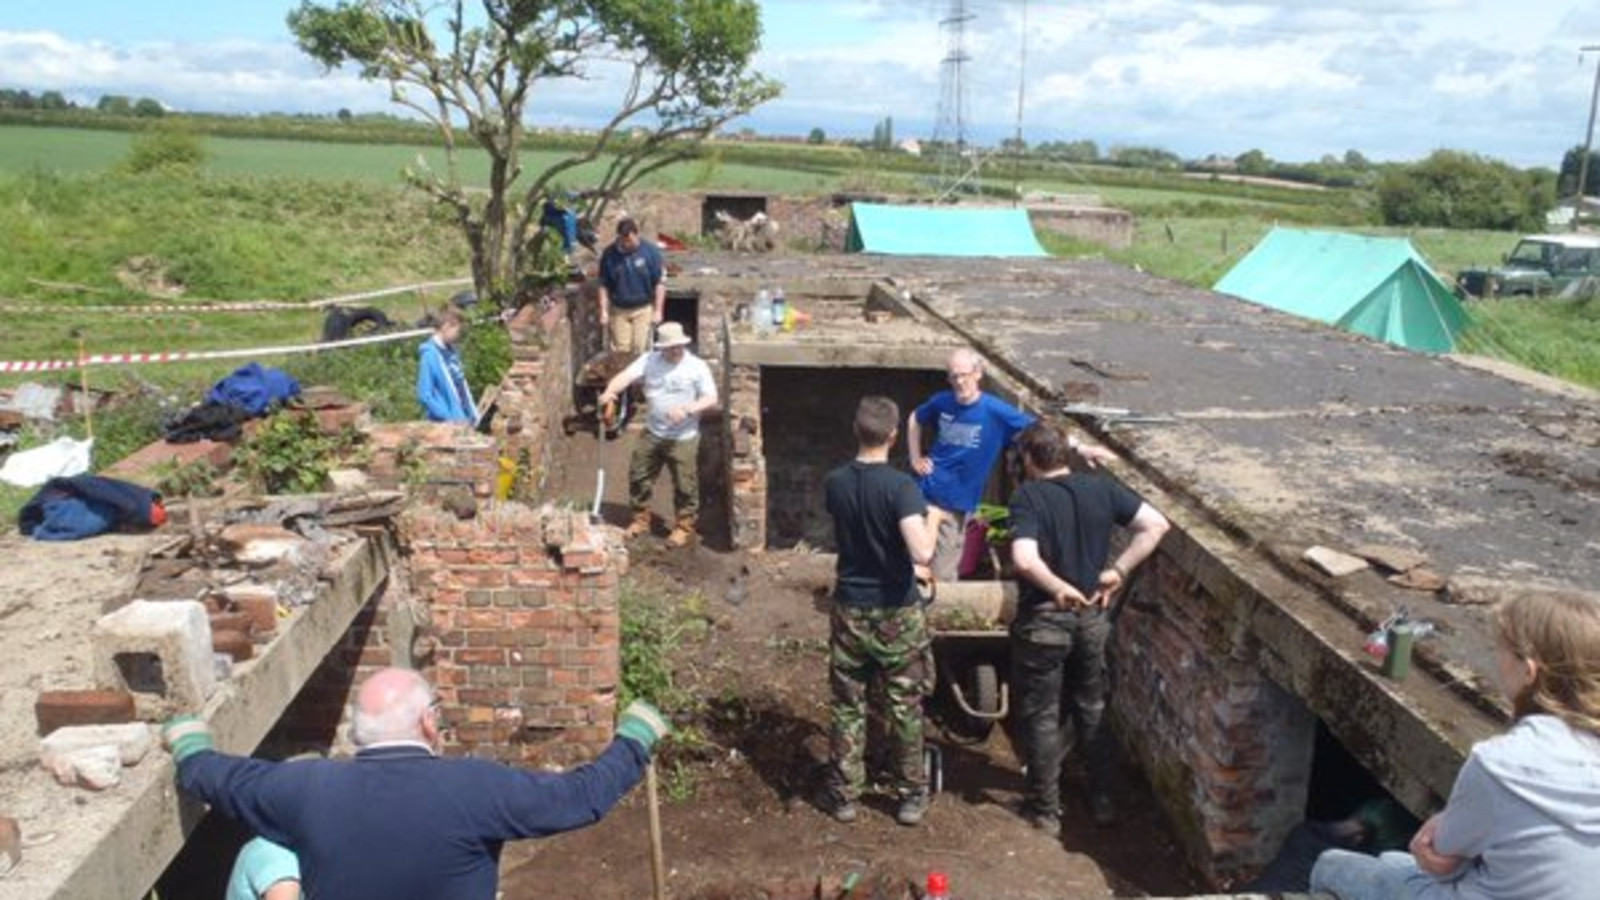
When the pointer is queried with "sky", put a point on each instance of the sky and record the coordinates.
(1297, 79)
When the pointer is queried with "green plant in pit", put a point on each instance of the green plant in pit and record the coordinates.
(289, 454)
(998, 518)
(195, 479)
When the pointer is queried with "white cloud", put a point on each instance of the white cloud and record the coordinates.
(1296, 78)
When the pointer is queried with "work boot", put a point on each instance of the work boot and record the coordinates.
(682, 533)
(1046, 823)
(640, 524)
(836, 806)
(912, 808)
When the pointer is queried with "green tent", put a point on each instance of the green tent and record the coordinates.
(941, 231)
(1379, 287)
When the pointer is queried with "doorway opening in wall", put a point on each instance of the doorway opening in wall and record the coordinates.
(683, 307)
(1346, 806)
(806, 415)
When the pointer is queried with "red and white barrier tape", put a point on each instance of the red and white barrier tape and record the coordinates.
(241, 306)
(117, 359)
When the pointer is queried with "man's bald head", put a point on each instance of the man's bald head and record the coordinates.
(965, 371)
(391, 706)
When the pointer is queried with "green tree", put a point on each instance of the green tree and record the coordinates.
(1253, 162)
(1454, 189)
(1568, 181)
(817, 136)
(115, 105)
(476, 73)
(148, 108)
(53, 100)
(165, 148)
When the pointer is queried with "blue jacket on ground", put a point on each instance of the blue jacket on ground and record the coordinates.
(398, 823)
(442, 384)
(255, 388)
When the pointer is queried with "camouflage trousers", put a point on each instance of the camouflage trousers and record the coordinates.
(878, 656)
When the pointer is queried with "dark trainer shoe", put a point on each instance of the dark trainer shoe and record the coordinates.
(912, 808)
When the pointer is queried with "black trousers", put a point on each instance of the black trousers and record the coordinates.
(1058, 661)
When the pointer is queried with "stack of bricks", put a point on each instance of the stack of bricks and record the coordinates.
(432, 458)
(1228, 751)
(536, 392)
(742, 448)
(526, 629)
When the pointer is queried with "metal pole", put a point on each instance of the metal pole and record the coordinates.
(1588, 140)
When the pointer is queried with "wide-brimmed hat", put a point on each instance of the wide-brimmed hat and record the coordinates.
(670, 334)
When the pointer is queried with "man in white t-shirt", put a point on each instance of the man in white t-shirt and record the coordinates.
(678, 390)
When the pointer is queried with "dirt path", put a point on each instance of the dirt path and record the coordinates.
(737, 814)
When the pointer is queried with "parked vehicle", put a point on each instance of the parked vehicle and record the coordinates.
(1541, 265)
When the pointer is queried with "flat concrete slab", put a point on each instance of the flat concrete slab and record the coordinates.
(1298, 434)
(1264, 435)
(115, 843)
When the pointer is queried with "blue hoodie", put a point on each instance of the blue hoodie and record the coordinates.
(442, 384)
(1525, 812)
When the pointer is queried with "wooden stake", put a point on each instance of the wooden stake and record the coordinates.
(658, 864)
(83, 379)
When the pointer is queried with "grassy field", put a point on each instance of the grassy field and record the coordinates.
(73, 151)
(296, 220)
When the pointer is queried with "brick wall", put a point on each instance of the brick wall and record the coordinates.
(525, 630)
(1227, 750)
(743, 451)
(1112, 227)
(806, 415)
(433, 459)
(537, 391)
(509, 610)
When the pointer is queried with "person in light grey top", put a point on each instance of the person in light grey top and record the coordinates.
(1523, 820)
(678, 390)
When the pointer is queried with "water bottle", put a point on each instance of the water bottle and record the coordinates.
(938, 887)
(780, 309)
(761, 313)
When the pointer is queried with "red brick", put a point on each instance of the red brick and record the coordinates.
(480, 656)
(56, 709)
(236, 644)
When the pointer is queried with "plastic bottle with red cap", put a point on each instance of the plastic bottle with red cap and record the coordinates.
(938, 887)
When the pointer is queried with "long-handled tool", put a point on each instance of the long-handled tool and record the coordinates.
(609, 415)
(658, 864)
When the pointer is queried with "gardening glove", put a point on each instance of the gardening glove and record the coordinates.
(185, 736)
(643, 724)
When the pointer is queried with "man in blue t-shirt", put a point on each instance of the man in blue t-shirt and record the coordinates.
(968, 430)
(633, 289)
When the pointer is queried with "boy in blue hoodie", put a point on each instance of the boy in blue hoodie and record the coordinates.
(441, 381)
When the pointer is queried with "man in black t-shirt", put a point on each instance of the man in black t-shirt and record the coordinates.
(877, 630)
(1062, 523)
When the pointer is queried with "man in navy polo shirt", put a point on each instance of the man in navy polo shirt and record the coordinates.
(633, 290)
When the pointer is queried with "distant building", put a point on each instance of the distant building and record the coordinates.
(911, 146)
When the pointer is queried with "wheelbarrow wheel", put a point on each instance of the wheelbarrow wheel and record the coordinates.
(982, 701)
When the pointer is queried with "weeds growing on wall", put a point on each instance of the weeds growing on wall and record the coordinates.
(289, 454)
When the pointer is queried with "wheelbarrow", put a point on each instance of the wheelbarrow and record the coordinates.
(590, 383)
(971, 648)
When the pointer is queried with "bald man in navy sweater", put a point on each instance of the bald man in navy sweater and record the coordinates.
(398, 821)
